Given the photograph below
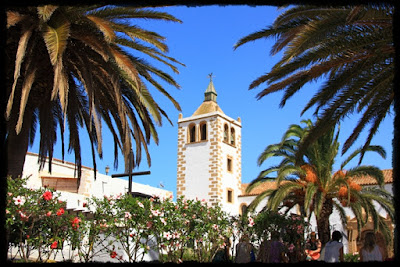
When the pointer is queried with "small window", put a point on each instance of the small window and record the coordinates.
(192, 133)
(203, 131)
(232, 136)
(229, 196)
(226, 133)
(229, 164)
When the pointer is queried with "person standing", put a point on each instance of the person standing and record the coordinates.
(223, 254)
(313, 247)
(370, 250)
(273, 250)
(333, 250)
(243, 250)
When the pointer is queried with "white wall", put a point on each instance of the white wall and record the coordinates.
(104, 185)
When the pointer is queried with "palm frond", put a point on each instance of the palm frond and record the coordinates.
(45, 12)
(378, 149)
(55, 38)
(22, 45)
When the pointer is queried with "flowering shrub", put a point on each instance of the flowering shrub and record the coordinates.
(240, 225)
(39, 224)
(291, 227)
(34, 221)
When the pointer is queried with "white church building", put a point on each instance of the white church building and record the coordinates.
(208, 167)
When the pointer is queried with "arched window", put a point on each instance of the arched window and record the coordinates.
(226, 129)
(243, 209)
(232, 136)
(203, 131)
(192, 133)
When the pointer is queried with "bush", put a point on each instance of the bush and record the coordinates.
(39, 224)
(351, 257)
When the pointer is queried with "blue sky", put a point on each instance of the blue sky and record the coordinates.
(204, 43)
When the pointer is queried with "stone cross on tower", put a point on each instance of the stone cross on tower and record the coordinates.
(210, 94)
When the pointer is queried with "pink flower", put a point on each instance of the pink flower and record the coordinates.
(176, 235)
(163, 221)
(156, 212)
(215, 226)
(167, 235)
(48, 214)
(54, 245)
(23, 216)
(128, 215)
(251, 222)
(47, 195)
(140, 204)
(19, 200)
(149, 224)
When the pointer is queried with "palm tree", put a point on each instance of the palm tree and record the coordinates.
(351, 46)
(311, 183)
(79, 67)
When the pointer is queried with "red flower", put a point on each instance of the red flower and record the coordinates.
(54, 245)
(60, 211)
(48, 214)
(113, 254)
(47, 195)
(75, 223)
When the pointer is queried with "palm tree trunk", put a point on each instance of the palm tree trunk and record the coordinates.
(323, 222)
(17, 145)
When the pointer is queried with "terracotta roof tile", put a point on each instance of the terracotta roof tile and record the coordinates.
(367, 180)
(259, 189)
(363, 180)
(207, 107)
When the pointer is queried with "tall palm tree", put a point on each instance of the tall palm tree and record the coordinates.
(351, 46)
(79, 67)
(312, 184)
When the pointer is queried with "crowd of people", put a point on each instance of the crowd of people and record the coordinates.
(273, 250)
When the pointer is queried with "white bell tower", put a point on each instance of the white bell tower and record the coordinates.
(209, 155)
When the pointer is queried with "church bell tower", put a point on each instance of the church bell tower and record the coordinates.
(209, 155)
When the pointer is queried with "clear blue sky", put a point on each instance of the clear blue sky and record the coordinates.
(204, 43)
